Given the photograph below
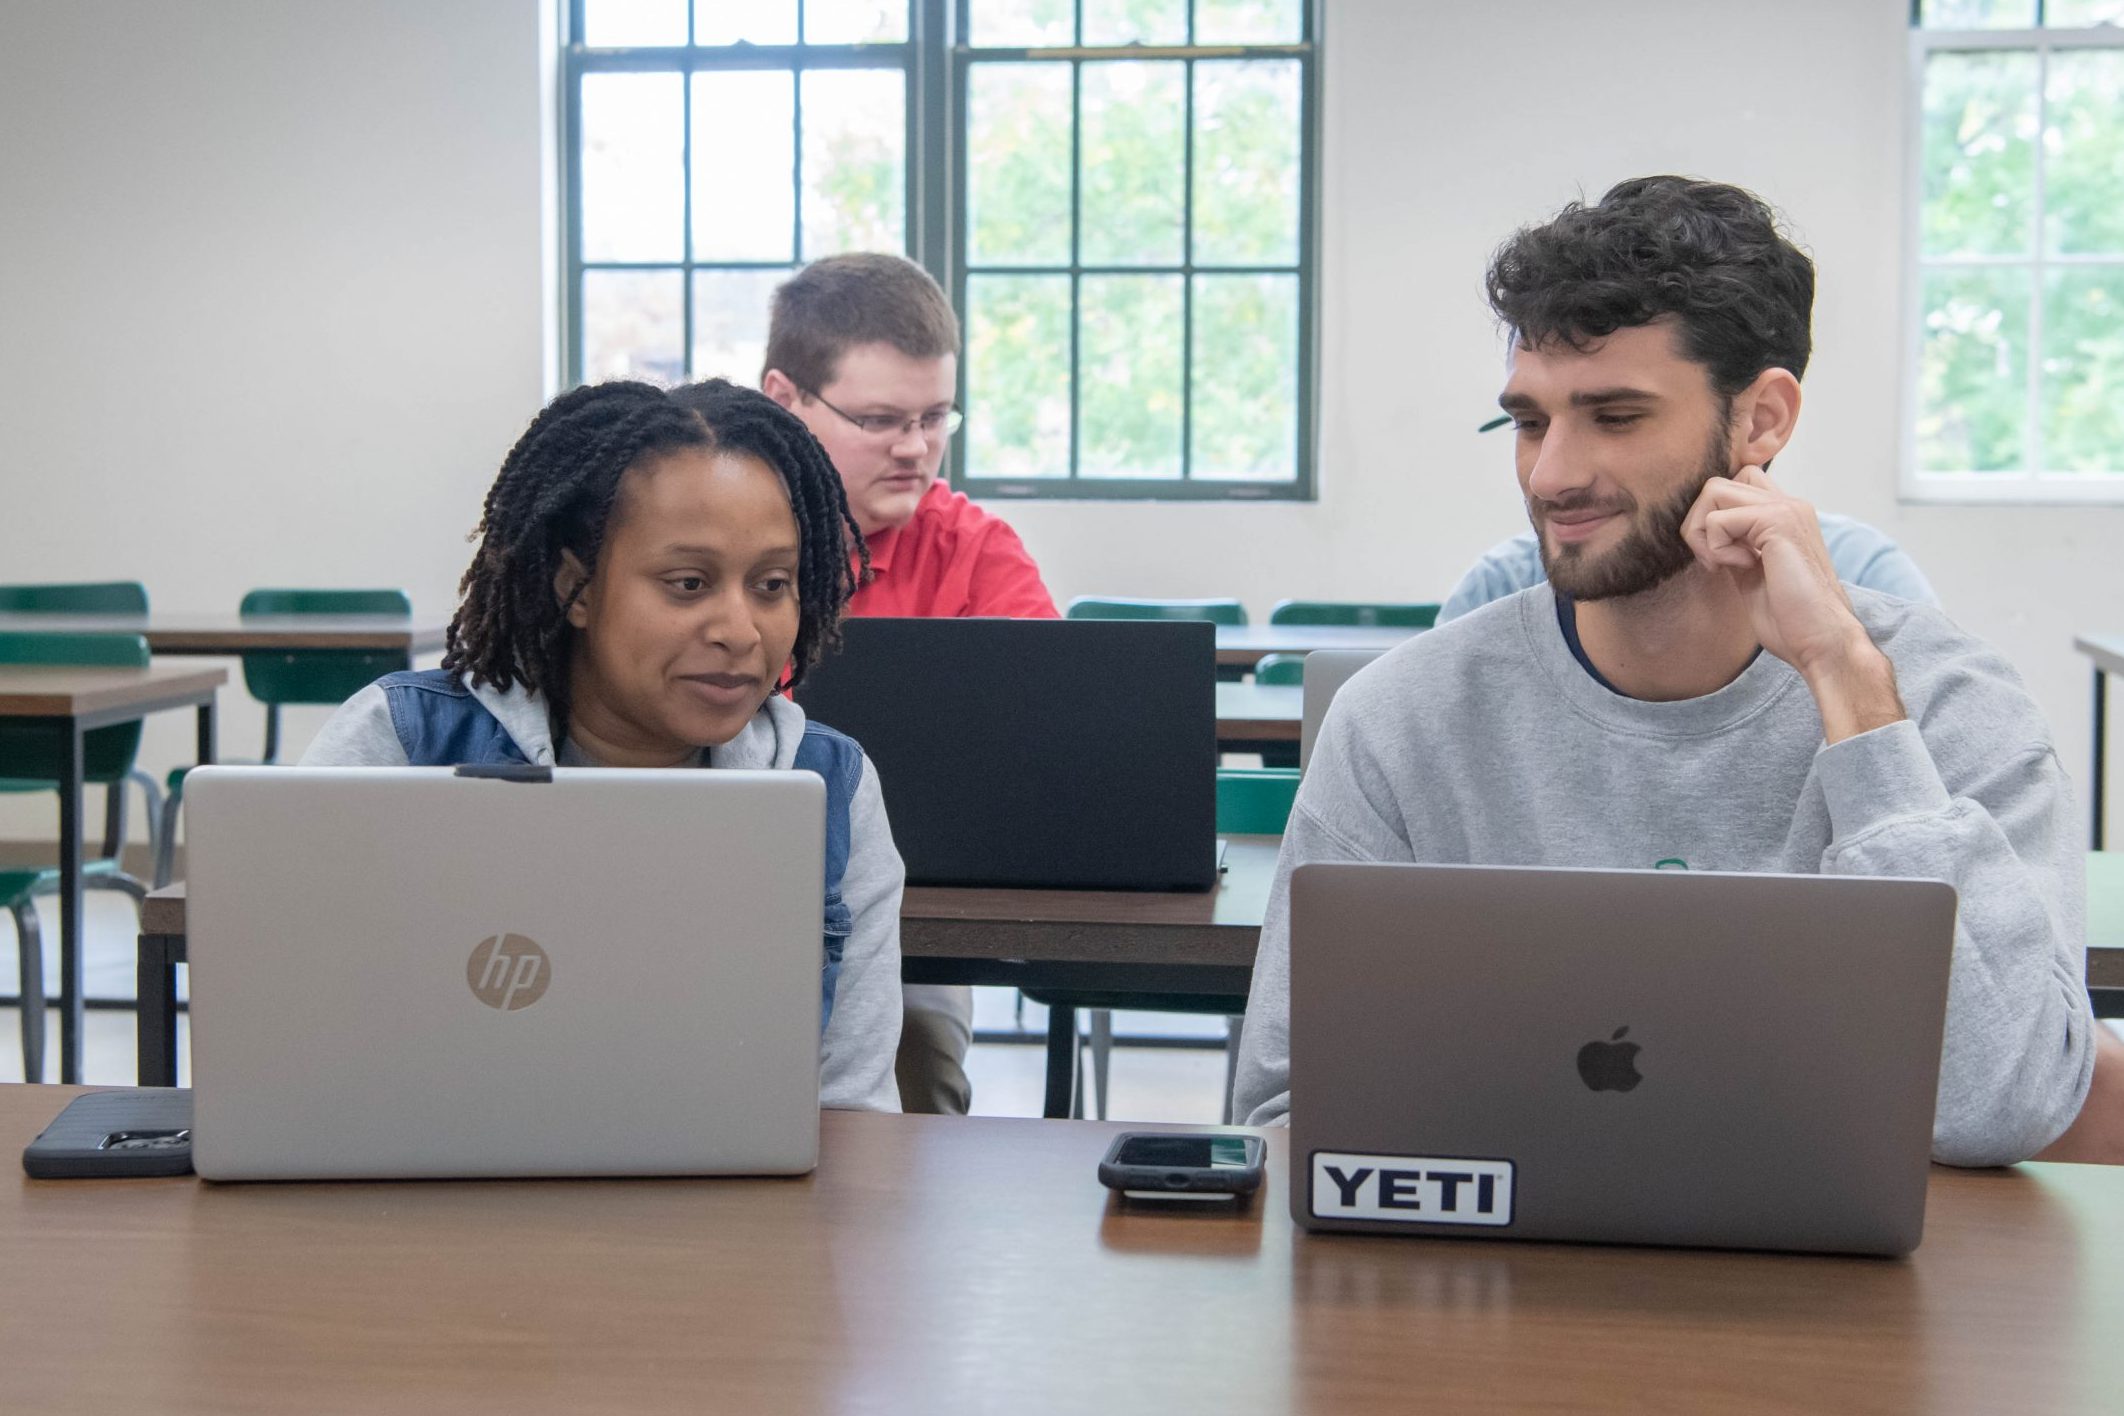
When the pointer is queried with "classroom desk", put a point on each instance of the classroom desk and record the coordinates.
(231, 634)
(1246, 644)
(951, 1264)
(1250, 714)
(70, 702)
(1128, 943)
(2107, 653)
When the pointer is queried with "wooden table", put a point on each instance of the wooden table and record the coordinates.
(1246, 644)
(948, 1264)
(231, 634)
(1250, 714)
(2107, 653)
(69, 702)
(1127, 946)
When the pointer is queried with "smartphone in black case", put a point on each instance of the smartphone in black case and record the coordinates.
(1167, 1166)
(133, 1131)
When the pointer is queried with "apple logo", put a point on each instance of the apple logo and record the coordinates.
(1610, 1065)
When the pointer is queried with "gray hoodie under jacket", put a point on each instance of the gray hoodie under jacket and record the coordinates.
(1485, 742)
(857, 1049)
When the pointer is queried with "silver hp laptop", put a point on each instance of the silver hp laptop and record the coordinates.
(1641, 1057)
(411, 972)
(1326, 671)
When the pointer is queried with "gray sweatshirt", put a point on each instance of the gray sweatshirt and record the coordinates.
(1485, 741)
(863, 1035)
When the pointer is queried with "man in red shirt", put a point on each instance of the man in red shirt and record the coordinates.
(864, 348)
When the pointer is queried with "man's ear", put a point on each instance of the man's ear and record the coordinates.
(779, 387)
(571, 589)
(1764, 416)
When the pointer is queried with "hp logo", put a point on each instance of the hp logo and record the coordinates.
(508, 972)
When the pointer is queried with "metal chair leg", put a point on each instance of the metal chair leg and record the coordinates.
(166, 843)
(1102, 1051)
(30, 945)
(1234, 1030)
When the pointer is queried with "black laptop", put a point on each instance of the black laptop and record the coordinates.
(1035, 753)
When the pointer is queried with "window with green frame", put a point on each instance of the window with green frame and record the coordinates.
(1119, 196)
(2016, 362)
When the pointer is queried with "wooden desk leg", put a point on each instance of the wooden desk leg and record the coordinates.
(1061, 1061)
(155, 1046)
(2101, 738)
(70, 903)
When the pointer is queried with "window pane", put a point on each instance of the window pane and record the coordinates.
(634, 326)
(1017, 375)
(633, 135)
(855, 169)
(1135, 21)
(1246, 163)
(1017, 196)
(730, 322)
(744, 185)
(2083, 370)
(1973, 372)
(1247, 21)
(613, 24)
(754, 21)
(855, 21)
(1128, 365)
(2083, 175)
(1979, 154)
(2083, 14)
(1980, 14)
(1022, 24)
(1135, 161)
(1245, 378)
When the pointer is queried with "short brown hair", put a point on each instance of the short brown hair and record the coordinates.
(866, 297)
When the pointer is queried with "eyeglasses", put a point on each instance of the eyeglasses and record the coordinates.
(937, 422)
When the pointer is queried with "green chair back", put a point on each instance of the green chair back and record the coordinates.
(33, 755)
(1255, 801)
(321, 676)
(1104, 607)
(1403, 616)
(1280, 669)
(105, 597)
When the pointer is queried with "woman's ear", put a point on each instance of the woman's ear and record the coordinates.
(1767, 412)
(571, 590)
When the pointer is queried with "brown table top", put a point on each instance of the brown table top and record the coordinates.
(1246, 643)
(1260, 712)
(943, 1264)
(63, 691)
(236, 634)
(2107, 650)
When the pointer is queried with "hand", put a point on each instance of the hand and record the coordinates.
(1769, 545)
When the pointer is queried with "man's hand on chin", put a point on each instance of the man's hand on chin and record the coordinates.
(1770, 547)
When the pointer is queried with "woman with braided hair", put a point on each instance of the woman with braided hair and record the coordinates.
(652, 568)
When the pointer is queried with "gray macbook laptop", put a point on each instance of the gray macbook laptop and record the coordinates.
(1326, 671)
(1645, 1057)
(410, 972)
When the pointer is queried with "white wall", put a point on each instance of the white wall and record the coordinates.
(274, 295)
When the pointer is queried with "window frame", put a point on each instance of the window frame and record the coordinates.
(2032, 484)
(937, 63)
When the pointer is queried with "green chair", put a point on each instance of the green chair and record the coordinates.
(1286, 670)
(33, 757)
(116, 598)
(279, 677)
(1402, 616)
(1095, 607)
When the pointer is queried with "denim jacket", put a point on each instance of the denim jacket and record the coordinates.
(440, 723)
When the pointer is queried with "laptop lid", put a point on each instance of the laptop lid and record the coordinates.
(1645, 1057)
(402, 972)
(1035, 753)
(1326, 671)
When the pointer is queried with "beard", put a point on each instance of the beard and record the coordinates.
(1652, 550)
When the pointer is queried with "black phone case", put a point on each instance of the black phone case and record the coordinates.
(1180, 1180)
(78, 1145)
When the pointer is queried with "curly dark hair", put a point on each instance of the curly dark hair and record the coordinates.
(1708, 254)
(555, 494)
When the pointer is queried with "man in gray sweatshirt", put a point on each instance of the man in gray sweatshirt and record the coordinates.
(1693, 684)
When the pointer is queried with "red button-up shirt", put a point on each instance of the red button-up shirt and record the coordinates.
(950, 561)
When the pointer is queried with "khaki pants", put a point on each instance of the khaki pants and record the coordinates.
(936, 1028)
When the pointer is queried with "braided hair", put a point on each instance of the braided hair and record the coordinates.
(556, 491)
